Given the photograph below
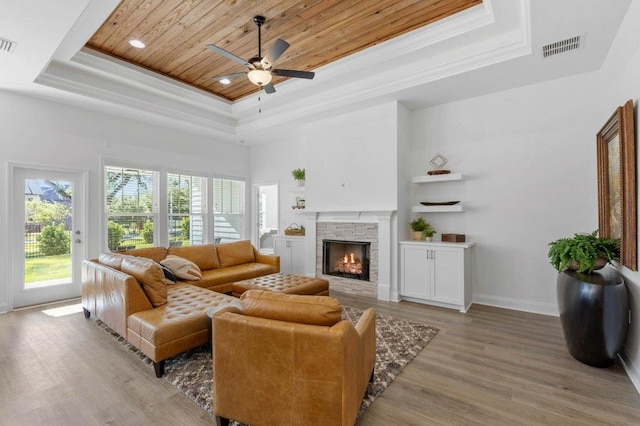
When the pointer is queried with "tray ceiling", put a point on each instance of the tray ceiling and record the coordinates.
(176, 34)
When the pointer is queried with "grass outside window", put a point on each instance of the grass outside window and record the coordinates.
(47, 268)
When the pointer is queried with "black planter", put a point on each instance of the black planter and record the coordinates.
(594, 312)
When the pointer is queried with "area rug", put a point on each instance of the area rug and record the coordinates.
(397, 343)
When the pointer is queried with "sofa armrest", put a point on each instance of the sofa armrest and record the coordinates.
(366, 328)
(111, 295)
(267, 259)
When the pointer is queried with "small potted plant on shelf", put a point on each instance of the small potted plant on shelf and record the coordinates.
(298, 175)
(428, 232)
(418, 225)
(583, 253)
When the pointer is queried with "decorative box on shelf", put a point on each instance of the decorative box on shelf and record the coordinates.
(453, 238)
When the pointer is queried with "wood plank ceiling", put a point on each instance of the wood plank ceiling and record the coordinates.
(176, 33)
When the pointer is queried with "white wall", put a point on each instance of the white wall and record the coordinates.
(619, 82)
(528, 160)
(352, 161)
(358, 149)
(41, 133)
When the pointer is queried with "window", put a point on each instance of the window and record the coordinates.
(228, 209)
(138, 214)
(130, 207)
(186, 206)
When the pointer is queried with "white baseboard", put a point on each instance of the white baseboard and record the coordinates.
(4, 308)
(517, 304)
(630, 367)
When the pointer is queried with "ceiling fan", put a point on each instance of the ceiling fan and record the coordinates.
(260, 70)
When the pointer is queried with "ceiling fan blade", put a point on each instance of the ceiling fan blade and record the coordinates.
(293, 73)
(269, 88)
(231, 56)
(229, 76)
(274, 53)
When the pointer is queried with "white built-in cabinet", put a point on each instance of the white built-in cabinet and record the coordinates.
(291, 250)
(436, 273)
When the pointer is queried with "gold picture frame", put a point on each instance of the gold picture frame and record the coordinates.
(617, 183)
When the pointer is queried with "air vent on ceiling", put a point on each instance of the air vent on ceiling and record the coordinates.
(563, 46)
(7, 45)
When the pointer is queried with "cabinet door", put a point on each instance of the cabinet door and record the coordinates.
(297, 257)
(416, 272)
(448, 278)
(281, 249)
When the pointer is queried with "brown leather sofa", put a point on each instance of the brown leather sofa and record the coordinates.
(127, 291)
(221, 264)
(290, 359)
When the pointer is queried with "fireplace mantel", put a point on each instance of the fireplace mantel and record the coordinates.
(386, 242)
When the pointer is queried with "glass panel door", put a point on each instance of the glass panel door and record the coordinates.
(267, 220)
(47, 236)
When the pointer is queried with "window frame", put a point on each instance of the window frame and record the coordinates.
(161, 223)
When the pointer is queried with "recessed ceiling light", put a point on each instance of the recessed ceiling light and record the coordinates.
(224, 81)
(137, 43)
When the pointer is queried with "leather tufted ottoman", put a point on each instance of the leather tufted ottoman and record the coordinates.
(284, 283)
(177, 326)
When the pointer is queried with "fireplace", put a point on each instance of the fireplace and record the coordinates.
(348, 259)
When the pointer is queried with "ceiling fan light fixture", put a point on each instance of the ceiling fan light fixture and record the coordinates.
(259, 77)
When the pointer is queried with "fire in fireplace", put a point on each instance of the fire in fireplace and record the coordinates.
(349, 259)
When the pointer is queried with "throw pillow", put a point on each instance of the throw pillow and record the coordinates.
(313, 310)
(149, 273)
(182, 268)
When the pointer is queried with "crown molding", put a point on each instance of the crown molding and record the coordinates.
(143, 95)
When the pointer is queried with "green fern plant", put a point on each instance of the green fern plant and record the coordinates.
(583, 251)
(298, 174)
(418, 224)
(428, 231)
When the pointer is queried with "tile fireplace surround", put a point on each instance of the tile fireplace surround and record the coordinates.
(373, 227)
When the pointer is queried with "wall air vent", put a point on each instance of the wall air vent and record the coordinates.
(7, 45)
(563, 46)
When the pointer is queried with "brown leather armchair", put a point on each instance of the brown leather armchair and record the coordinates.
(290, 360)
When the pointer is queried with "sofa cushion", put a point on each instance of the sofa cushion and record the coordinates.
(177, 325)
(235, 253)
(222, 279)
(313, 310)
(153, 253)
(150, 275)
(112, 260)
(182, 268)
(205, 256)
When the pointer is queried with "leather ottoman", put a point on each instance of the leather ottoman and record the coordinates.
(284, 283)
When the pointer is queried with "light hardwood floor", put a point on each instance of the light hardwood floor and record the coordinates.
(487, 367)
